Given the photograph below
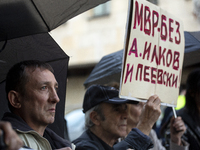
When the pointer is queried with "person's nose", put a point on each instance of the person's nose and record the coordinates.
(54, 96)
(124, 114)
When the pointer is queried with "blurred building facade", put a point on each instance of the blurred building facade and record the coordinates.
(101, 31)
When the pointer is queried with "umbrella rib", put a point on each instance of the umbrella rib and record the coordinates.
(57, 59)
(77, 10)
(41, 16)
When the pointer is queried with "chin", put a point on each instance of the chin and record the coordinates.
(123, 134)
(50, 121)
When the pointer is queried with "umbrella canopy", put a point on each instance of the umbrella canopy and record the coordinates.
(40, 47)
(26, 17)
(107, 70)
(22, 18)
(192, 48)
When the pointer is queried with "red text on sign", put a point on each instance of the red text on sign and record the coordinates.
(148, 21)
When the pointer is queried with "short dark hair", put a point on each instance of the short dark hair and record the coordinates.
(17, 77)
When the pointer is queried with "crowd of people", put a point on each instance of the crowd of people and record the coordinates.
(112, 123)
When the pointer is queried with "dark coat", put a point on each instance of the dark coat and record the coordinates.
(55, 141)
(135, 140)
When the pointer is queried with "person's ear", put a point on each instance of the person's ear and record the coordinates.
(94, 117)
(13, 98)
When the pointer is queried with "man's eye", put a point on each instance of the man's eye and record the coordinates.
(44, 88)
(56, 88)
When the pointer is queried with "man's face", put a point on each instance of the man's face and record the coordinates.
(115, 122)
(40, 99)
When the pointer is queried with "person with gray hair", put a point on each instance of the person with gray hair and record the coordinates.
(106, 121)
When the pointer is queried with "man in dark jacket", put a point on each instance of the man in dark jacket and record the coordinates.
(32, 95)
(106, 120)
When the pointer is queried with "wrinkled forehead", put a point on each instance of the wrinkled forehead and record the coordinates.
(31, 69)
(40, 75)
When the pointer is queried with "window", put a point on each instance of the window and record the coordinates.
(102, 10)
(153, 1)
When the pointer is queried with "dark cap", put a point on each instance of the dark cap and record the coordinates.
(98, 93)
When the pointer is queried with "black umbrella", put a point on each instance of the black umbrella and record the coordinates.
(107, 70)
(22, 18)
(40, 47)
(26, 17)
(192, 48)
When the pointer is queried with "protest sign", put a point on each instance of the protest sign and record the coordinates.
(153, 54)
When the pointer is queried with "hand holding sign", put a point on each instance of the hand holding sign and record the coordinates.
(153, 54)
(150, 114)
(177, 129)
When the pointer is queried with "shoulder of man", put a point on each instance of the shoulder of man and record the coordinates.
(86, 145)
(135, 140)
(55, 140)
(86, 142)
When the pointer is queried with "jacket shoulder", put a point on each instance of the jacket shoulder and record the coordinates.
(86, 145)
(85, 142)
